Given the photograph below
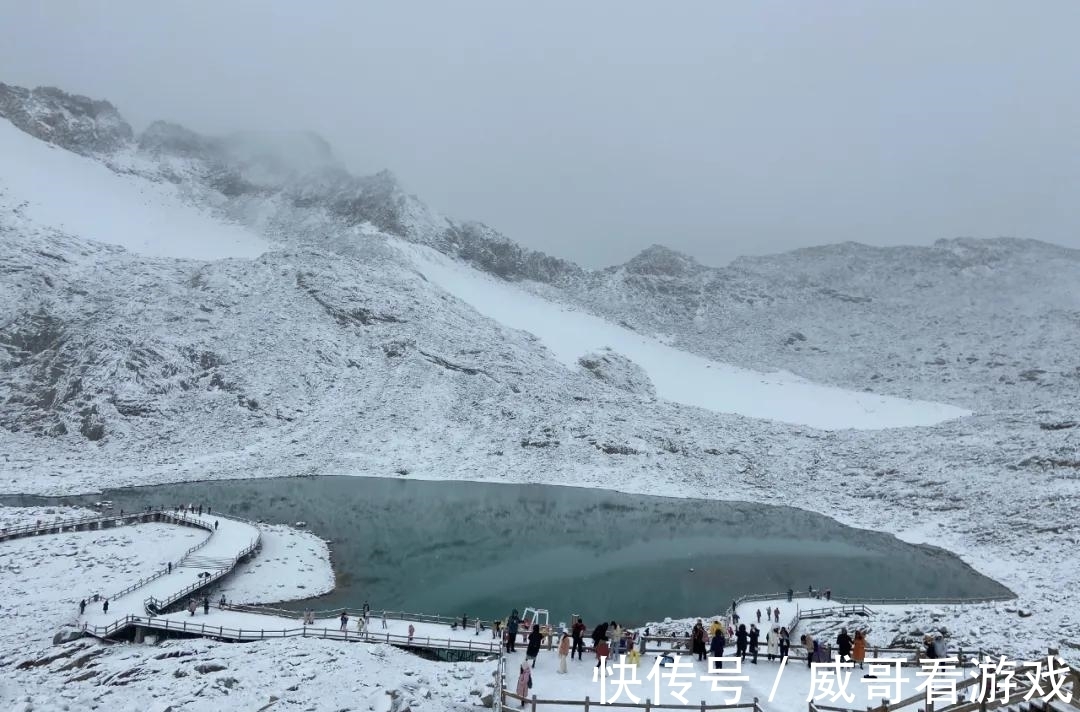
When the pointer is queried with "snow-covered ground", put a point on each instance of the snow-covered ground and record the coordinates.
(678, 375)
(77, 195)
(43, 578)
(292, 564)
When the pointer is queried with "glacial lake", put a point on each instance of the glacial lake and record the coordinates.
(472, 548)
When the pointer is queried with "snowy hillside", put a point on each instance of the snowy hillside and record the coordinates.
(58, 190)
(677, 375)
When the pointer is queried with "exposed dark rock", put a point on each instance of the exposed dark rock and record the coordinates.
(74, 122)
(207, 668)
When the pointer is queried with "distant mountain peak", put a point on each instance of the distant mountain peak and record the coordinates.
(72, 121)
(663, 261)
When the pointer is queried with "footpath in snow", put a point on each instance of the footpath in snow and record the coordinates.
(677, 375)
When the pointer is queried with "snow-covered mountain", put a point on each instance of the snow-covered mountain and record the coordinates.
(175, 306)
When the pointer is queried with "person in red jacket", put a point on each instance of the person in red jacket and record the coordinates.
(602, 650)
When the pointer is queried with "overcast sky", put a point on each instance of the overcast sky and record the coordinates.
(594, 129)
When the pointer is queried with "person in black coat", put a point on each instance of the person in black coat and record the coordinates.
(533, 648)
(843, 645)
(754, 636)
(599, 633)
(741, 639)
(716, 648)
(697, 637)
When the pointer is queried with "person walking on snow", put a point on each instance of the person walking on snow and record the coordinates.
(82, 606)
(533, 648)
(384, 620)
(105, 606)
(564, 650)
(344, 620)
(843, 645)
(524, 681)
(191, 606)
(776, 613)
(412, 631)
(759, 615)
(755, 636)
(785, 642)
(206, 605)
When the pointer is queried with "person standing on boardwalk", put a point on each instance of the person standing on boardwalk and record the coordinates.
(82, 606)
(412, 631)
(206, 605)
(105, 606)
(344, 620)
(192, 605)
(564, 650)
(384, 620)
(785, 642)
(776, 614)
(464, 621)
(755, 637)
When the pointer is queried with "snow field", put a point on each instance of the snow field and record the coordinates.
(64, 191)
(678, 375)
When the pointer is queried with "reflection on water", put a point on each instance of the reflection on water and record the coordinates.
(481, 549)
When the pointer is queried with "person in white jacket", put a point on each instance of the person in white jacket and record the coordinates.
(772, 640)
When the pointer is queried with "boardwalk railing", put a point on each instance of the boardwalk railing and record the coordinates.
(248, 634)
(154, 605)
(334, 612)
(175, 518)
(858, 609)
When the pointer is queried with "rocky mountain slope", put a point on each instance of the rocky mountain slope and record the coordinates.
(332, 353)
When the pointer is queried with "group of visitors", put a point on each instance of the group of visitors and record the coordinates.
(849, 649)
(104, 605)
(193, 605)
